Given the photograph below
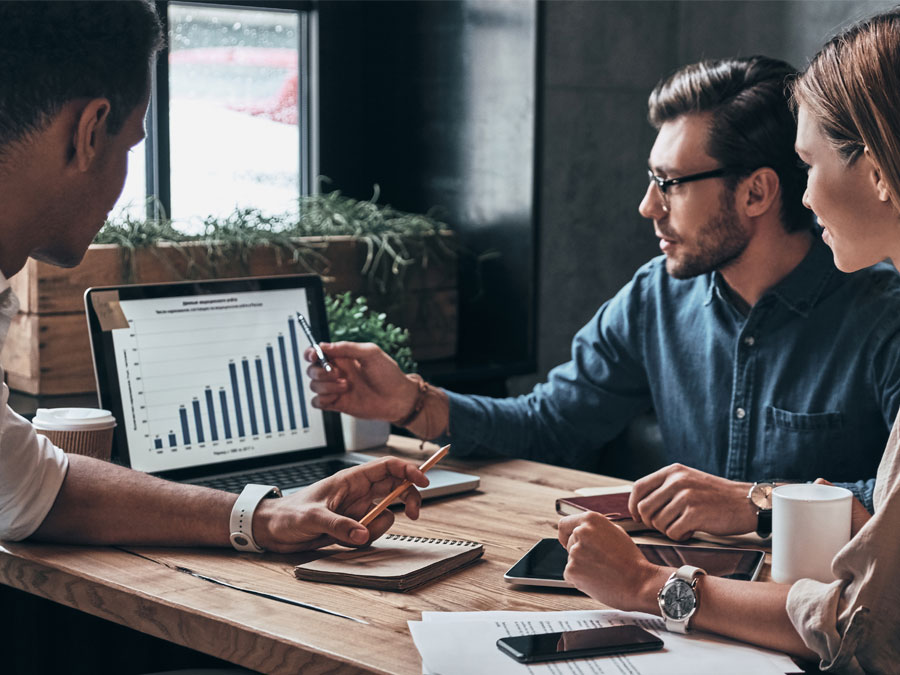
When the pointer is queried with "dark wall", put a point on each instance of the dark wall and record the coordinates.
(435, 102)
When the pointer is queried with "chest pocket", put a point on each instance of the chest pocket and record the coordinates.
(807, 445)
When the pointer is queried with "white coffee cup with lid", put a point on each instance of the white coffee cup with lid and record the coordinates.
(82, 431)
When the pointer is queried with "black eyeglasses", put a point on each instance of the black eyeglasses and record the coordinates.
(665, 183)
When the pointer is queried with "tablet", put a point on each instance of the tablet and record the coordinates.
(543, 565)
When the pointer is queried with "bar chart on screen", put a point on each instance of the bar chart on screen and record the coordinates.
(214, 378)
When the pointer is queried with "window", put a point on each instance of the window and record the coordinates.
(228, 125)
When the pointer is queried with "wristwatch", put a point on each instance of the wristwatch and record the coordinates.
(241, 523)
(760, 496)
(678, 598)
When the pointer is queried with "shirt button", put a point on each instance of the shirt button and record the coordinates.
(749, 341)
(740, 413)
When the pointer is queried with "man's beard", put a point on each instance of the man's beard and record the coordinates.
(718, 243)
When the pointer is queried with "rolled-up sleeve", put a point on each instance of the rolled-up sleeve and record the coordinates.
(32, 471)
(853, 623)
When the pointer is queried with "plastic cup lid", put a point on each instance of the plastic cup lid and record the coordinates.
(73, 419)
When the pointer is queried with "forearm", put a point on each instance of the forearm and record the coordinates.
(517, 432)
(752, 612)
(509, 427)
(100, 503)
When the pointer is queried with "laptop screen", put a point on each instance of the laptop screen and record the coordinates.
(208, 376)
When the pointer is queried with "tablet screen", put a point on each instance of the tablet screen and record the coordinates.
(543, 565)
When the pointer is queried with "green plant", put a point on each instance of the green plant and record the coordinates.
(395, 240)
(351, 319)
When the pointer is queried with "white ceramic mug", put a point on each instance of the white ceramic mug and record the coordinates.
(810, 524)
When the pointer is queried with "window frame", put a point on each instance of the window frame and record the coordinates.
(157, 157)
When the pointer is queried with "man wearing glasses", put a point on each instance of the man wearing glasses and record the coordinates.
(760, 359)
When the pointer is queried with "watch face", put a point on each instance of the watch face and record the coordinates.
(679, 599)
(761, 496)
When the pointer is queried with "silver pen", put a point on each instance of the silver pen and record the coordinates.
(320, 355)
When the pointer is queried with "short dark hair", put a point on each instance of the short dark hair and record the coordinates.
(55, 52)
(752, 123)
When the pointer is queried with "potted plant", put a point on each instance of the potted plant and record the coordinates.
(404, 263)
(352, 320)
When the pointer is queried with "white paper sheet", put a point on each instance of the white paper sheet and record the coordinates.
(463, 643)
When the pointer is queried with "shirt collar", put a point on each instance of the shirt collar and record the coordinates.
(801, 289)
(713, 288)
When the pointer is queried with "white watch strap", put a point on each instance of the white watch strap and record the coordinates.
(241, 523)
(689, 574)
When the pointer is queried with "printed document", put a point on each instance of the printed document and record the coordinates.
(462, 643)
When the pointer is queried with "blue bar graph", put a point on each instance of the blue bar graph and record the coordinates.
(198, 420)
(297, 371)
(276, 399)
(273, 389)
(246, 367)
(237, 399)
(211, 411)
(263, 402)
(184, 425)
(223, 400)
(292, 418)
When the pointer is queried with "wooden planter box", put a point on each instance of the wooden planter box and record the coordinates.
(48, 349)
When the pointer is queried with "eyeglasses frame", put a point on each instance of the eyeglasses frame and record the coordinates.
(665, 183)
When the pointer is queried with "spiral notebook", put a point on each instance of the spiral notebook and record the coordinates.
(396, 562)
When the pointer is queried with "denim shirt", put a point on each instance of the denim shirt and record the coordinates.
(806, 384)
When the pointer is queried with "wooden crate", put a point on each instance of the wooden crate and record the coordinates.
(48, 350)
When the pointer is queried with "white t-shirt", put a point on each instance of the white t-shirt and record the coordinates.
(32, 469)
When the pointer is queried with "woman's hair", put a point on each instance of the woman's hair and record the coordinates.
(852, 89)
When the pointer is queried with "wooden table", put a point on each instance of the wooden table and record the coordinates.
(140, 588)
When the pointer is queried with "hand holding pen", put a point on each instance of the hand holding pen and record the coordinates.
(364, 382)
(320, 355)
(403, 487)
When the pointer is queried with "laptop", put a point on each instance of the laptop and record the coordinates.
(208, 385)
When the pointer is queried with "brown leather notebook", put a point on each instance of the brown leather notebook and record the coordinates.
(613, 506)
(396, 562)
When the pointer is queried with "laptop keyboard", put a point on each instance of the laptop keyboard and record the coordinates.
(285, 477)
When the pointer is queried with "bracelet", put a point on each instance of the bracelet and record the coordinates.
(418, 404)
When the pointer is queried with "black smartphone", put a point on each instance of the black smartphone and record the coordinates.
(579, 644)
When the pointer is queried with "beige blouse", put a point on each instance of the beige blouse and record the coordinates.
(854, 623)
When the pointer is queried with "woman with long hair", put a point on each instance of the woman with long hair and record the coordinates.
(848, 108)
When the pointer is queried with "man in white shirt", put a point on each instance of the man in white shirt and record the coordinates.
(73, 96)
